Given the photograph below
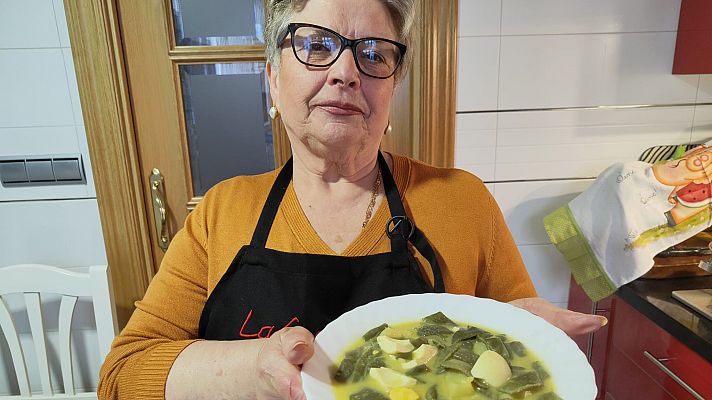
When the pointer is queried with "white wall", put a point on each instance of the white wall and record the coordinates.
(518, 57)
(40, 114)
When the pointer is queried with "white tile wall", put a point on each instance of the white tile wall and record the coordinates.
(525, 204)
(479, 17)
(475, 144)
(548, 270)
(704, 95)
(27, 24)
(590, 70)
(702, 126)
(34, 88)
(551, 54)
(61, 19)
(477, 73)
(526, 17)
(73, 86)
(38, 140)
(64, 233)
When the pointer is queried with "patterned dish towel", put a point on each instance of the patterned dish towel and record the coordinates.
(610, 233)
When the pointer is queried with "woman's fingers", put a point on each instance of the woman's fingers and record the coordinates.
(279, 364)
(571, 322)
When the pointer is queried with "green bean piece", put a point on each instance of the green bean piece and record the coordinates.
(370, 358)
(431, 330)
(438, 318)
(519, 383)
(496, 344)
(516, 348)
(417, 342)
(540, 370)
(438, 341)
(445, 354)
(465, 355)
(432, 393)
(419, 370)
(479, 347)
(480, 384)
(457, 365)
(517, 370)
(550, 396)
(464, 334)
(483, 388)
(374, 332)
(367, 394)
(345, 370)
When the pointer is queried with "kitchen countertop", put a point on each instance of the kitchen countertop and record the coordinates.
(653, 298)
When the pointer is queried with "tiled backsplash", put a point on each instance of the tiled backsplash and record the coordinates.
(531, 76)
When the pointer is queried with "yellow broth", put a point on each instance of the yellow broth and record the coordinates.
(451, 384)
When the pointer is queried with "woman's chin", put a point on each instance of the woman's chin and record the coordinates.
(338, 138)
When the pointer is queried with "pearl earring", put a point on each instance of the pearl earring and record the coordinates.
(273, 112)
(389, 129)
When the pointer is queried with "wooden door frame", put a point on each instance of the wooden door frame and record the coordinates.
(103, 87)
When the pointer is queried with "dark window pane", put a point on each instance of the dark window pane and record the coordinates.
(229, 130)
(218, 22)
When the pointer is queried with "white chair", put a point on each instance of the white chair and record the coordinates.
(31, 280)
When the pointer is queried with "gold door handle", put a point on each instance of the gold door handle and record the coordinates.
(159, 208)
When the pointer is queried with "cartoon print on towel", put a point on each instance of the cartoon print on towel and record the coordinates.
(689, 176)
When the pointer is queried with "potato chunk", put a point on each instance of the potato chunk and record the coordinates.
(391, 379)
(393, 346)
(421, 356)
(492, 367)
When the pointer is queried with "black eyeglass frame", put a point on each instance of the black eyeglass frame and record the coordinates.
(345, 42)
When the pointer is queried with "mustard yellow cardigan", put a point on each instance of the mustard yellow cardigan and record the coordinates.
(452, 207)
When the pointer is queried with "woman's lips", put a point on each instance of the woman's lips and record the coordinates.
(339, 109)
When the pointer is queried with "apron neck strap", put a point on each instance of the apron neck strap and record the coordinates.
(401, 229)
(269, 211)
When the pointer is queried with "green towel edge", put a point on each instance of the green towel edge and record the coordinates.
(566, 235)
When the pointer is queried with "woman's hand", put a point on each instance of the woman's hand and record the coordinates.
(279, 363)
(571, 322)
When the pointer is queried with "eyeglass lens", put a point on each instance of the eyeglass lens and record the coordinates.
(318, 47)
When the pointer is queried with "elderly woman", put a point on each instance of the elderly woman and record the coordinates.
(271, 259)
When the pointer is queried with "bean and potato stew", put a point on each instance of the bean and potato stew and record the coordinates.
(438, 359)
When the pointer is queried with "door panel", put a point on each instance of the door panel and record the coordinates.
(228, 129)
(218, 22)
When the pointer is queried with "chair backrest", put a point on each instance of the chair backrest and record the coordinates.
(31, 280)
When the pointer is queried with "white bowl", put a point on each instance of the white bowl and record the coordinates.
(572, 375)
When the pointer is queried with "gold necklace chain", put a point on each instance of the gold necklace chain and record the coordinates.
(372, 203)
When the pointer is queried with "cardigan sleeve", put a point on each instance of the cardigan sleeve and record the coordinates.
(164, 322)
(505, 278)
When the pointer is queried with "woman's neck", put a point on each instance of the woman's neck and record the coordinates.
(335, 197)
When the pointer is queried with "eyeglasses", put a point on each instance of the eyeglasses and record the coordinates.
(317, 46)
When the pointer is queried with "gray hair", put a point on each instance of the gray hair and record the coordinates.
(280, 12)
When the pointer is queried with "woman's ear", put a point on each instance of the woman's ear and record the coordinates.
(272, 74)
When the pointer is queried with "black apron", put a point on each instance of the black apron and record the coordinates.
(265, 290)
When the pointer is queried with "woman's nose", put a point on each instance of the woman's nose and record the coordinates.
(344, 71)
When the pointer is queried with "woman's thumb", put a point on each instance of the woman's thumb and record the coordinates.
(297, 345)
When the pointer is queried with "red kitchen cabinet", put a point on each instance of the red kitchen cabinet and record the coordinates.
(693, 49)
(646, 355)
(633, 358)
